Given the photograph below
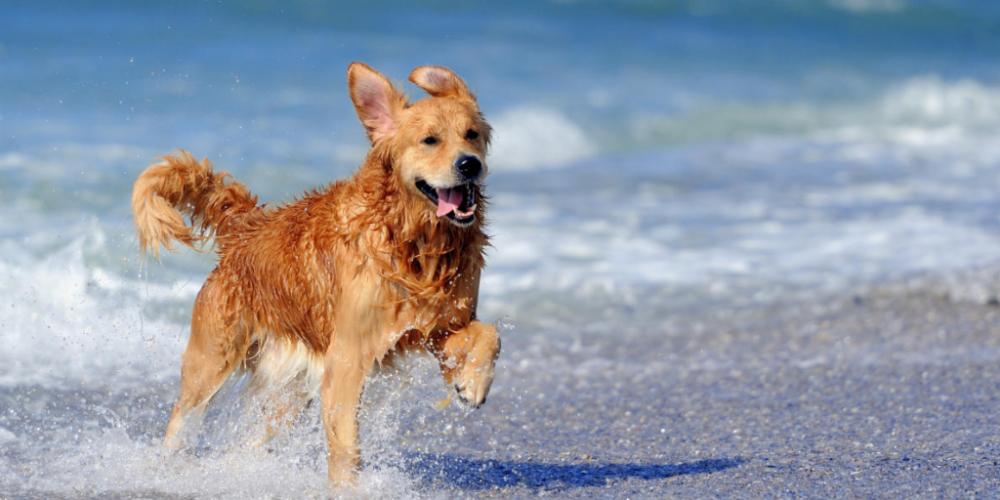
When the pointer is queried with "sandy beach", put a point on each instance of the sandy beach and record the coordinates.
(890, 393)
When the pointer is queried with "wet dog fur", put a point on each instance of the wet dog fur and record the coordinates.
(310, 296)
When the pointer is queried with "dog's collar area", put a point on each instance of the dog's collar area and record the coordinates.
(458, 203)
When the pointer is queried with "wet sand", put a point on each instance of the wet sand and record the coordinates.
(891, 393)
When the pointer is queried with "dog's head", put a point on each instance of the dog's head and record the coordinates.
(436, 146)
(467, 358)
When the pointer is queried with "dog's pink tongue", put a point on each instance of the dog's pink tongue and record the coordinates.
(448, 200)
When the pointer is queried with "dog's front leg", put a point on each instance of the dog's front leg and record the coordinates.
(343, 380)
(467, 358)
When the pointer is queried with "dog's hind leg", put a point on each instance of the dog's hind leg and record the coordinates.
(216, 347)
(346, 369)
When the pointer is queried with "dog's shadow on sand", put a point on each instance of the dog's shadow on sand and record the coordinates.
(481, 474)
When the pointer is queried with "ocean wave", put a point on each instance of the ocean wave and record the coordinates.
(921, 108)
(537, 138)
(863, 6)
(931, 100)
(69, 321)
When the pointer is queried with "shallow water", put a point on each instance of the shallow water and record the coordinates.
(659, 169)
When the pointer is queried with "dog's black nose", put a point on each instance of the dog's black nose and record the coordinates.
(470, 167)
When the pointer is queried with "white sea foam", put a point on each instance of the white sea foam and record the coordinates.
(930, 99)
(96, 452)
(826, 254)
(537, 138)
(65, 321)
(105, 460)
(862, 6)
(923, 110)
(828, 211)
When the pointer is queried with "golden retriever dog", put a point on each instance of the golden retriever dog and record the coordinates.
(310, 296)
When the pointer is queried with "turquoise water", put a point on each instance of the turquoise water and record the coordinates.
(650, 158)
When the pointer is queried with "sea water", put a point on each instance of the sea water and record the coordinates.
(650, 159)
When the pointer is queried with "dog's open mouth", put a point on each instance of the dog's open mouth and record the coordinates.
(457, 202)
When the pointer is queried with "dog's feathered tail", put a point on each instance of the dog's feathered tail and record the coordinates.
(178, 186)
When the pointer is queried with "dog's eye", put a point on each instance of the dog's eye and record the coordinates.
(471, 135)
(430, 140)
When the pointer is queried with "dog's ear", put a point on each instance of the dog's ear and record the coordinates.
(441, 82)
(375, 100)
